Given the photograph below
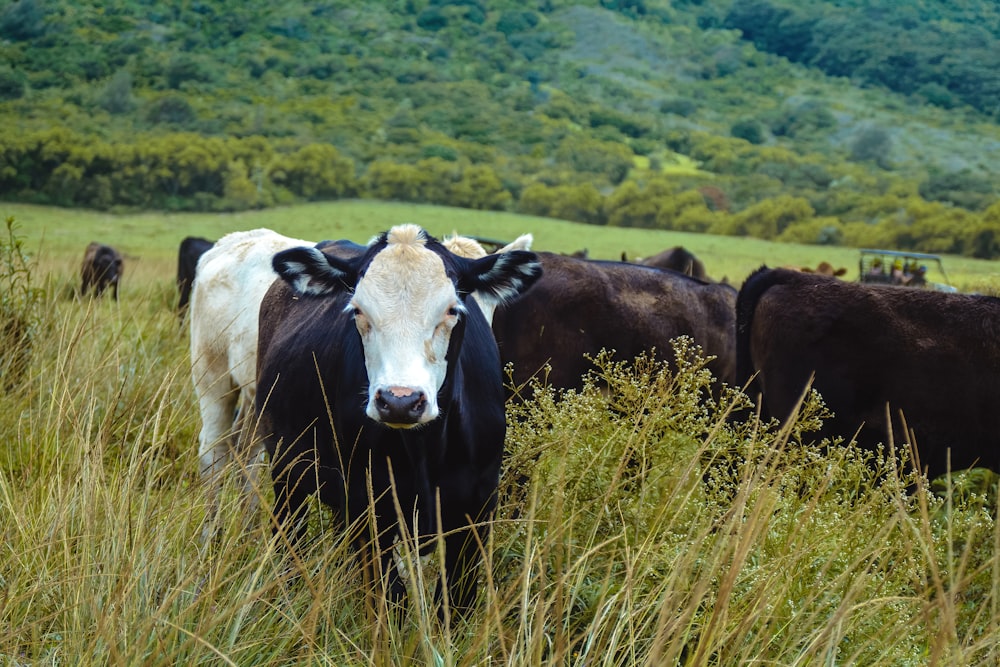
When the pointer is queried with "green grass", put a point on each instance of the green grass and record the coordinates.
(650, 529)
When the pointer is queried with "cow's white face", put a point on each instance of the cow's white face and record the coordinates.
(405, 307)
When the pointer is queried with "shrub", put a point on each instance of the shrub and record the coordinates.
(806, 117)
(432, 18)
(579, 203)
(516, 21)
(116, 98)
(22, 20)
(818, 231)
(679, 106)
(12, 84)
(748, 129)
(964, 188)
(171, 109)
(871, 144)
(20, 308)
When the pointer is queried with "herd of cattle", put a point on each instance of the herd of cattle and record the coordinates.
(372, 375)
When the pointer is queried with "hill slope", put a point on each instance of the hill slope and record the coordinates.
(650, 113)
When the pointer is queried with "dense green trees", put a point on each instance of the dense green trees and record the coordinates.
(945, 53)
(649, 114)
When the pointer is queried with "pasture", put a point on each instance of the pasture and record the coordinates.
(57, 237)
(637, 525)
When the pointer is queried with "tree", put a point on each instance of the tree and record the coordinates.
(748, 129)
(871, 144)
(316, 171)
(22, 20)
(579, 203)
(116, 98)
(12, 84)
(479, 188)
(770, 217)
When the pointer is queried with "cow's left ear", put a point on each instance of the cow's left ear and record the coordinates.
(501, 277)
(312, 272)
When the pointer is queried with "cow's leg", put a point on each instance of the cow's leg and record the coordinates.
(462, 558)
(249, 452)
(374, 519)
(466, 513)
(294, 481)
(217, 403)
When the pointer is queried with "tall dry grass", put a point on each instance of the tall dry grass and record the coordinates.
(638, 525)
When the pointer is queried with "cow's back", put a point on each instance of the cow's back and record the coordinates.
(579, 307)
(932, 356)
(232, 278)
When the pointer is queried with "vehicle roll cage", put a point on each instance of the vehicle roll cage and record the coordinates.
(868, 268)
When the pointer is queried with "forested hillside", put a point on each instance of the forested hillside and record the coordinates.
(861, 122)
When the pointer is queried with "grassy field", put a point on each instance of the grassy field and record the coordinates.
(650, 530)
(150, 240)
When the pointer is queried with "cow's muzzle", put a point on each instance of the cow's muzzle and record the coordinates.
(400, 407)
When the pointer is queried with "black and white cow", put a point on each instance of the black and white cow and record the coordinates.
(380, 381)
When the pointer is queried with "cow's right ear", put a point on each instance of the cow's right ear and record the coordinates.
(310, 271)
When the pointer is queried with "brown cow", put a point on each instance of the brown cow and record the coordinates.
(933, 356)
(825, 268)
(102, 266)
(580, 306)
(678, 259)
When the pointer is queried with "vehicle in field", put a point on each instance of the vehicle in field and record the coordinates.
(903, 268)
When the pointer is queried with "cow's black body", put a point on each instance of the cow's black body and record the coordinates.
(102, 268)
(312, 384)
(931, 355)
(188, 254)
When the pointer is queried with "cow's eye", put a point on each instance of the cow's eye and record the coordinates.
(364, 326)
(453, 311)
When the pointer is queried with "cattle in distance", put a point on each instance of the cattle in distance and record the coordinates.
(380, 383)
(579, 307)
(102, 268)
(678, 259)
(190, 251)
(932, 356)
(825, 268)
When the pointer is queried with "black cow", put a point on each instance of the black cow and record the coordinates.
(102, 267)
(190, 251)
(580, 306)
(935, 357)
(378, 373)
